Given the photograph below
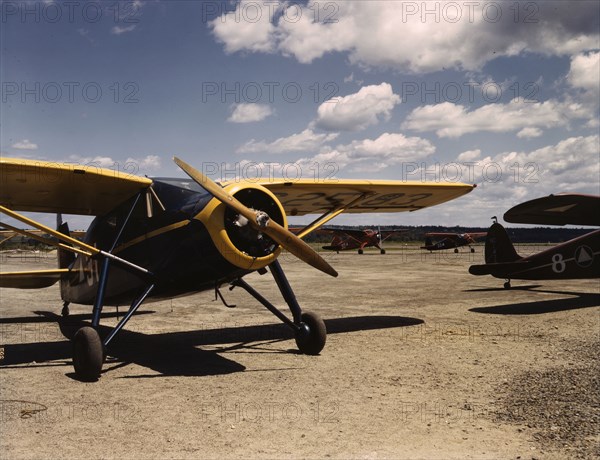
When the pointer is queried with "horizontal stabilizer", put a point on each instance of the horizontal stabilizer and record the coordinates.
(31, 279)
(500, 270)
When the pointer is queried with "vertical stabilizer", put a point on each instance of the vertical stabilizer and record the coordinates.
(498, 247)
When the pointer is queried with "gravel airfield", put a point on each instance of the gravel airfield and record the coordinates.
(422, 360)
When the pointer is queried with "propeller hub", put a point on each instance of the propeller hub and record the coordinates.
(262, 219)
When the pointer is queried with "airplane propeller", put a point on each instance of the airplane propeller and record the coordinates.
(260, 221)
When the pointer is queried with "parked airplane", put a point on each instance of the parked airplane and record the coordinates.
(574, 259)
(451, 240)
(347, 240)
(161, 238)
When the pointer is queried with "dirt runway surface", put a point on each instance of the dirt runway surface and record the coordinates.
(422, 360)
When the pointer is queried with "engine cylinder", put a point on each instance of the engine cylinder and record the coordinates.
(237, 241)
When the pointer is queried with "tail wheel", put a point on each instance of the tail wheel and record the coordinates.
(88, 354)
(312, 336)
(455, 250)
(507, 285)
(472, 249)
(360, 251)
(383, 251)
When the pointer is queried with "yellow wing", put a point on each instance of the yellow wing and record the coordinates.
(360, 196)
(41, 186)
(31, 279)
(8, 234)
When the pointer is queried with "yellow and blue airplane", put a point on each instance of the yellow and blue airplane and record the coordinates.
(164, 237)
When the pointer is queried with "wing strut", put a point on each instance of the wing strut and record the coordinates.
(84, 248)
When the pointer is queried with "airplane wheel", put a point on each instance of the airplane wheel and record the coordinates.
(455, 250)
(88, 354)
(383, 251)
(360, 251)
(65, 310)
(472, 249)
(507, 285)
(311, 339)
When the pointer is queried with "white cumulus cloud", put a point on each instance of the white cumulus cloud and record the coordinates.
(453, 120)
(359, 110)
(118, 30)
(416, 37)
(25, 144)
(249, 113)
(374, 154)
(585, 73)
(248, 28)
(137, 166)
(305, 141)
(512, 177)
(147, 163)
(528, 133)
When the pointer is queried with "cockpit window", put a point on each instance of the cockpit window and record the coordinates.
(187, 184)
(180, 194)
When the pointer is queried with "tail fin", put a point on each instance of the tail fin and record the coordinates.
(498, 247)
(65, 258)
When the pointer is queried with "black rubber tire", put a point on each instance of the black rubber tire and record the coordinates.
(382, 251)
(88, 354)
(311, 342)
(360, 251)
(507, 285)
(472, 249)
(455, 250)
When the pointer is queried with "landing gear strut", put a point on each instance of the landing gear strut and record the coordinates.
(309, 328)
(88, 348)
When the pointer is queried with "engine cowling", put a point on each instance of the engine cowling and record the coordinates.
(238, 242)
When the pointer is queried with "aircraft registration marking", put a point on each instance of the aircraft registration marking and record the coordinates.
(323, 200)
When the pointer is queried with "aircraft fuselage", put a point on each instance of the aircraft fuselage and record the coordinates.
(172, 244)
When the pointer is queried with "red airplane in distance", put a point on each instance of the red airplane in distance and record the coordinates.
(347, 240)
(451, 240)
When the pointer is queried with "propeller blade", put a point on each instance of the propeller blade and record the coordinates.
(260, 221)
(297, 247)
(215, 190)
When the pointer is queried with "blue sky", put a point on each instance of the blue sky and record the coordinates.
(503, 94)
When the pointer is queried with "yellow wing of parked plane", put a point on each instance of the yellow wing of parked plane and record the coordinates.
(41, 186)
(32, 279)
(360, 196)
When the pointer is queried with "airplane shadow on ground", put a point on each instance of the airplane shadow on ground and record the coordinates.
(526, 287)
(48, 317)
(579, 300)
(176, 353)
